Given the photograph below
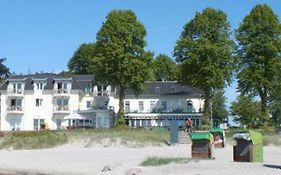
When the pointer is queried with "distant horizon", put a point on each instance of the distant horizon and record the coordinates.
(43, 35)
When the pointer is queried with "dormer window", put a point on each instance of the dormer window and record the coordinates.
(17, 87)
(88, 89)
(62, 86)
(39, 85)
(102, 91)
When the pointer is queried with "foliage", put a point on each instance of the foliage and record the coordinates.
(275, 109)
(220, 112)
(157, 161)
(247, 111)
(259, 37)
(81, 61)
(121, 59)
(4, 71)
(164, 68)
(49, 139)
(205, 52)
(121, 122)
(33, 140)
(143, 137)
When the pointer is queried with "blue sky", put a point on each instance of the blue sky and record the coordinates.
(42, 35)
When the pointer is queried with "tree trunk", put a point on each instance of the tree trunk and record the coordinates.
(264, 109)
(206, 114)
(121, 101)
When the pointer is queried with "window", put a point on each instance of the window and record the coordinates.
(89, 104)
(16, 104)
(17, 88)
(38, 102)
(141, 106)
(152, 106)
(127, 106)
(62, 87)
(102, 91)
(62, 104)
(59, 86)
(40, 85)
(189, 106)
(88, 89)
(58, 122)
(65, 85)
(15, 124)
(38, 124)
(164, 105)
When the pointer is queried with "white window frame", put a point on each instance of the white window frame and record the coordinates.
(141, 106)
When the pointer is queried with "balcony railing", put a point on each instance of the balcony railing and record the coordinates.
(62, 108)
(102, 93)
(14, 109)
(62, 91)
(100, 107)
(15, 91)
(162, 111)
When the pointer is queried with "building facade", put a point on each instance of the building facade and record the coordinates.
(52, 101)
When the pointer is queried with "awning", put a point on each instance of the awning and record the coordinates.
(75, 116)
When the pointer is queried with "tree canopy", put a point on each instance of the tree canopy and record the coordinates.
(4, 70)
(81, 61)
(164, 68)
(121, 59)
(205, 53)
(259, 37)
(246, 111)
(219, 112)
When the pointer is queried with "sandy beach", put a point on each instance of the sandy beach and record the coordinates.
(75, 159)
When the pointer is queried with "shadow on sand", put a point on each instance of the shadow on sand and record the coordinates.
(272, 166)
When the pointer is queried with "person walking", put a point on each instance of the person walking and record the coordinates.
(189, 125)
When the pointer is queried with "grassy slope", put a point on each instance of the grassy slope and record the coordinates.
(49, 139)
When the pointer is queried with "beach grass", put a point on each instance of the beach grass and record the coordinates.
(49, 139)
(269, 138)
(137, 135)
(158, 161)
(32, 139)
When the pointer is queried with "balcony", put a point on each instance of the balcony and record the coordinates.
(61, 109)
(15, 92)
(62, 92)
(15, 109)
(102, 94)
(163, 111)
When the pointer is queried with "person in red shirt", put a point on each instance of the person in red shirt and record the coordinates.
(189, 125)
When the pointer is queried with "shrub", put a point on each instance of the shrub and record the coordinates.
(158, 161)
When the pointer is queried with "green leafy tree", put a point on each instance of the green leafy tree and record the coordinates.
(81, 61)
(246, 111)
(259, 37)
(205, 53)
(219, 112)
(164, 68)
(121, 59)
(4, 70)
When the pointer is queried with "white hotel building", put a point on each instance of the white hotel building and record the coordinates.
(30, 102)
